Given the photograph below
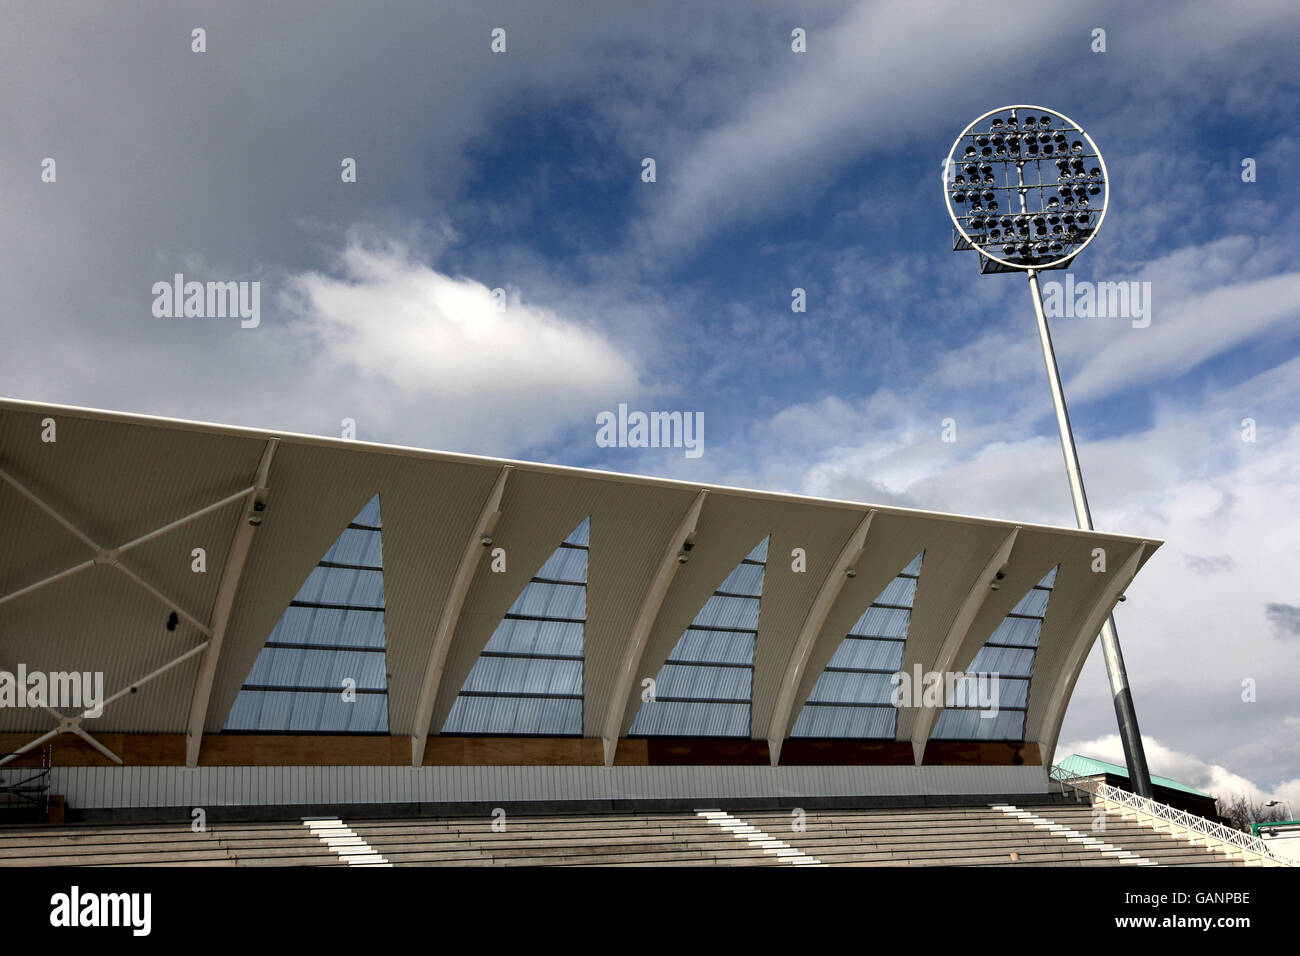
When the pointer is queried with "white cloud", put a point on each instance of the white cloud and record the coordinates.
(1216, 780)
(794, 131)
(424, 332)
(1186, 332)
(405, 339)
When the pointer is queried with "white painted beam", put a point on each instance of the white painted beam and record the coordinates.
(943, 661)
(113, 556)
(224, 605)
(72, 725)
(1063, 685)
(651, 602)
(812, 627)
(475, 548)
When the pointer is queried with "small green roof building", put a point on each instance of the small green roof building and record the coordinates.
(1166, 791)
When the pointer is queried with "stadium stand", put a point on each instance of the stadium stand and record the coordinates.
(1053, 834)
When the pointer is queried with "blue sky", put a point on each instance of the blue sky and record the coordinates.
(775, 170)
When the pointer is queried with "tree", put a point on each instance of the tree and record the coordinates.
(1240, 812)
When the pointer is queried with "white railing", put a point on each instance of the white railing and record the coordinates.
(1209, 830)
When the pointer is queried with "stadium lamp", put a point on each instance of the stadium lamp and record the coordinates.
(1027, 190)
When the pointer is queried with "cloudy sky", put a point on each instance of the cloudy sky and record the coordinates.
(522, 171)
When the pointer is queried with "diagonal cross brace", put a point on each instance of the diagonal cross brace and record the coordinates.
(72, 725)
(113, 556)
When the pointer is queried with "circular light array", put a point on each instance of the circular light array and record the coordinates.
(1026, 186)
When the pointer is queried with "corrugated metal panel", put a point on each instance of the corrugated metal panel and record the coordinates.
(285, 668)
(99, 622)
(691, 697)
(892, 547)
(560, 638)
(552, 600)
(979, 722)
(527, 675)
(518, 694)
(859, 723)
(670, 718)
(853, 688)
(111, 787)
(868, 654)
(714, 647)
(702, 681)
(308, 712)
(349, 586)
(957, 724)
(320, 625)
(552, 716)
(876, 642)
(291, 667)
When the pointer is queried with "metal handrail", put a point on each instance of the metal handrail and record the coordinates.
(1273, 825)
(1166, 813)
(27, 786)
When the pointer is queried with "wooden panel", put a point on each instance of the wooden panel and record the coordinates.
(837, 753)
(511, 751)
(984, 753)
(289, 750)
(632, 753)
(706, 751)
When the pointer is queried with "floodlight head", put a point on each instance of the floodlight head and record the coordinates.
(1052, 169)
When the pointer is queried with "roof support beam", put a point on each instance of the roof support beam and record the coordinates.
(679, 544)
(249, 519)
(957, 633)
(1066, 675)
(72, 725)
(479, 540)
(808, 634)
(113, 556)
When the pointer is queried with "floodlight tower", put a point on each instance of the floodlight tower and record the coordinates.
(1027, 189)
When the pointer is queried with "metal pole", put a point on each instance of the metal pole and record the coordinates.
(1130, 736)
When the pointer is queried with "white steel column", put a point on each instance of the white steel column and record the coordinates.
(812, 627)
(679, 547)
(249, 520)
(943, 661)
(477, 545)
(1068, 672)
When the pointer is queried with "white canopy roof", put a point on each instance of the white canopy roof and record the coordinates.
(112, 479)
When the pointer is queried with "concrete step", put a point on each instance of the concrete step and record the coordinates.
(921, 836)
